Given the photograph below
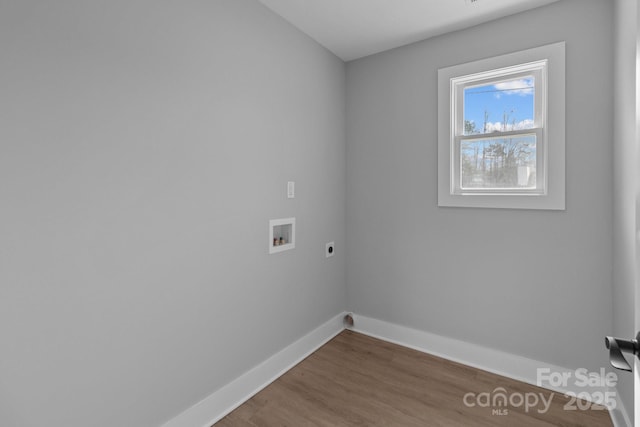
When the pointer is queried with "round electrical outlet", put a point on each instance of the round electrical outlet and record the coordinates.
(330, 249)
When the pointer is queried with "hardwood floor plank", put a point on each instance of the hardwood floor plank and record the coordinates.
(356, 380)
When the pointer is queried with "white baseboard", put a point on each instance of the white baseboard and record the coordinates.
(222, 402)
(498, 362)
(619, 415)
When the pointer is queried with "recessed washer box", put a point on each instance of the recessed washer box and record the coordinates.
(282, 234)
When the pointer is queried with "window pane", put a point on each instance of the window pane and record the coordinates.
(498, 163)
(498, 107)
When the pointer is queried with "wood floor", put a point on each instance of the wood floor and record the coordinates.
(355, 380)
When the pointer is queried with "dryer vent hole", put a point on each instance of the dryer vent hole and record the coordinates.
(348, 320)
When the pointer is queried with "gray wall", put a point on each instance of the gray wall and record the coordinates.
(532, 283)
(624, 179)
(144, 145)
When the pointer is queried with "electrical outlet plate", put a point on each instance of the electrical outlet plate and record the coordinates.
(330, 249)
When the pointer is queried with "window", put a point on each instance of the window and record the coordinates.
(501, 131)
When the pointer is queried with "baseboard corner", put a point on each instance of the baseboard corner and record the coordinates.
(221, 402)
(509, 365)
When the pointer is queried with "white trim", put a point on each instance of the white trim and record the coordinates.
(229, 397)
(495, 361)
(220, 403)
(619, 415)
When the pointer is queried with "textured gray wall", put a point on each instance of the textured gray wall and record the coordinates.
(532, 283)
(144, 145)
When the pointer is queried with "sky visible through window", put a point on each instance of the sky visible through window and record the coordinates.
(492, 161)
(507, 105)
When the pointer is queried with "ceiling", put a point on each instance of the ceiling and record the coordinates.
(355, 28)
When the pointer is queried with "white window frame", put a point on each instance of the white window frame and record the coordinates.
(547, 65)
(538, 71)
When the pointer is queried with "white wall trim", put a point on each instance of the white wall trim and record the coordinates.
(498, 362)
(229, 397)
(619, 415)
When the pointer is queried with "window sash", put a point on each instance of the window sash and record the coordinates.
(541, 159)
(538, 70)
(458, 86)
